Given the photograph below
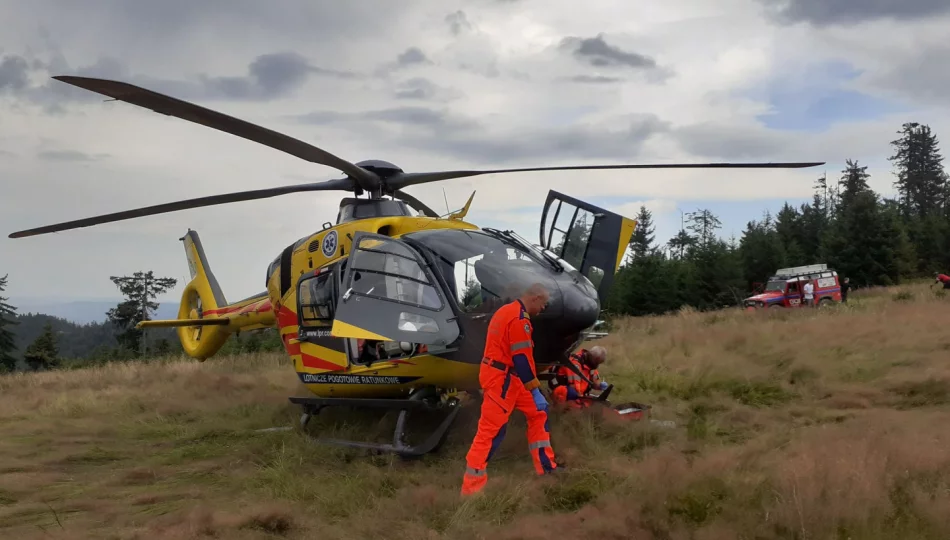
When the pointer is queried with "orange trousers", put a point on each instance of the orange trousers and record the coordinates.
(559, 397)
(503, 393)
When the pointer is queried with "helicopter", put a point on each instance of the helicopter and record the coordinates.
(383, 308)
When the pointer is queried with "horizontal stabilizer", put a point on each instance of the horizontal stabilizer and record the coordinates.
(172, 323)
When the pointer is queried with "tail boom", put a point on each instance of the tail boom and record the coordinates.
(205, 318)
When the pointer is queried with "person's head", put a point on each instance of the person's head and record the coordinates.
(846, 280)
(597, 356)
(535, 298)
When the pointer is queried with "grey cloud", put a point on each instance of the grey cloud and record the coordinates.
(409, 115)
(68, 155)
(269, 76)
(416, 92)
(595, 79)
(924, 77)
(597, 52)
(423, 89)
(176, 23)
(489, 69)
(403, 116)
(724, 141)
(544, 145)
(412, 55)
(842, 12)
(458, 22)
(473, 140)
(7, 154)
(14, 73)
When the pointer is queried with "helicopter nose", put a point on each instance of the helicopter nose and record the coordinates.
(580, 305)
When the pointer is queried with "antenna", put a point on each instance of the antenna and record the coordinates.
(447, 210)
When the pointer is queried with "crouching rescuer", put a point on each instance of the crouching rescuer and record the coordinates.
(568, 388)
(508, 378)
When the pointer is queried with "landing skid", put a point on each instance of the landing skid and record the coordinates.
(423, 398)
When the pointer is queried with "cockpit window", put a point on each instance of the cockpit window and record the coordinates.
(387, 270)
(482, 270)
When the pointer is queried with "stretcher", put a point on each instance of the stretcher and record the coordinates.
(630, 410)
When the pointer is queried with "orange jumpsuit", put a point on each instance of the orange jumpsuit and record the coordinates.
(570, 389)
(506, 375)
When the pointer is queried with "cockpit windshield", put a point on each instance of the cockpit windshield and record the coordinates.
(775, 285)
(482, 269)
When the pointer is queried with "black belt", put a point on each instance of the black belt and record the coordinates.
(495, 364)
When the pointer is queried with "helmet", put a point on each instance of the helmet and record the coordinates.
(597, 355)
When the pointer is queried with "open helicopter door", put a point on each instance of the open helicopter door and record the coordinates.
(391, 294)
(589, 238)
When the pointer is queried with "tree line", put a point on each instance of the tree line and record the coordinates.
(873, 240)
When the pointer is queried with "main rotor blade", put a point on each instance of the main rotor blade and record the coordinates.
(346, 184)
(170, 106)
(414, 203)
(400, 181)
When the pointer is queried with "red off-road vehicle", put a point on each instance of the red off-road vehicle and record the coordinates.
(785, 288)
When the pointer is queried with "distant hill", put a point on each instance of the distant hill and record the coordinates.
(83, 333)
(75, 340)
(80, 325)
(82, 311)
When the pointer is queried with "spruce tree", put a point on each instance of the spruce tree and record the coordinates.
(680, 244)
(139, 289)
(43, 353)
(854, 180)
(642, 242)
(703, 224)
(921, 181)
(814, 222)
(7, 338)
(788, 226)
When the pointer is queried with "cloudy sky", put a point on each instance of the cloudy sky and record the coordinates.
(430, 85)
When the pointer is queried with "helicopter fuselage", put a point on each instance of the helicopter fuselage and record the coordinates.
(376, 307)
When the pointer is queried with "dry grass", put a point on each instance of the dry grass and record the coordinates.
(794, 425)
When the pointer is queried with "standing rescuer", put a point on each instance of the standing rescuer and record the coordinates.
(508, 379)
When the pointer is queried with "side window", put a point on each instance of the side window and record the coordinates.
(315, 299)
(389, 271)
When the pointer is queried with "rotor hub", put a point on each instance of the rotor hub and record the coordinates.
(383, 169)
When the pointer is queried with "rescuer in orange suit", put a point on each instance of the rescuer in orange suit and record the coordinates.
(568, 388)
(508, 378)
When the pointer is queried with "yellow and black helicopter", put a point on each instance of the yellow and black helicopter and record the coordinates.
(385, 308)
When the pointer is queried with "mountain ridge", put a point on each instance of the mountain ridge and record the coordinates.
(82, 312)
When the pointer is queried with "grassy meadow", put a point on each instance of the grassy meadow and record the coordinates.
(790, 424)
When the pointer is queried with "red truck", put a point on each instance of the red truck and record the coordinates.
(784, 289)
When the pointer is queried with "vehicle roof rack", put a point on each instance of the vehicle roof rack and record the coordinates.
(801, 270)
